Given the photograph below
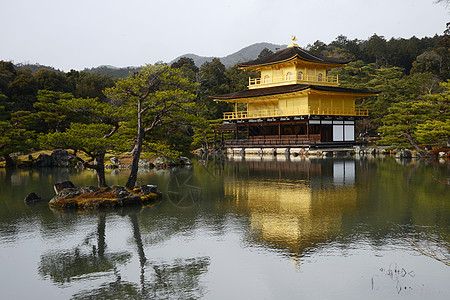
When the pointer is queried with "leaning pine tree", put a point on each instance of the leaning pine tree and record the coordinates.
(156, 96)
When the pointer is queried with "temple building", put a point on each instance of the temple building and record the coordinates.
(294, 103)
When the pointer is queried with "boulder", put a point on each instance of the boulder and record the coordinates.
(147, 189)
(32, 198)
(403, 154)
(43, 160)
(407, 153)
(115, 160)
(185, 161)
(145, 164)
(69, 193)
(62, 158)
(59, 186)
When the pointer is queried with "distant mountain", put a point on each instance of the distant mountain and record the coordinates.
(248, 53)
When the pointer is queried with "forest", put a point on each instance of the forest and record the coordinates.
(165, 109)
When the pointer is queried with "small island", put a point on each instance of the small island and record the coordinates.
(70, 197)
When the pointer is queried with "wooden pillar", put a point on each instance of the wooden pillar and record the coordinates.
(307, 130)
(279, 130)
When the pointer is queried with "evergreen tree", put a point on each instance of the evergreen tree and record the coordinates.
(157, 96)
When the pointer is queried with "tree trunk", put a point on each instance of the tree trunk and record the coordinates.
(136, 151)
(100, 168)
(415, 145)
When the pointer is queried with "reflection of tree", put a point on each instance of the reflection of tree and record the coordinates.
(177, 279)
(86, 258)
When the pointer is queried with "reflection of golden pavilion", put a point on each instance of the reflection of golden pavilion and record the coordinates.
(291, 214)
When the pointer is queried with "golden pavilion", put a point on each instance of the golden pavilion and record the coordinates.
(294, 103)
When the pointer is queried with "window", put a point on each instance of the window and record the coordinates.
(300, 75)
(319, 77)
(266, 79)
(289, 76)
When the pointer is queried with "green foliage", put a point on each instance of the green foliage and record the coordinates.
(215, 79)
(52, 81)
(165, 99)
(433, 131)
(89, 85)
(160, 149)
(424, 119)
(14, 139)
(47, 116)
(7, 74)
(204, 135)
(5, 106)
(88, 138)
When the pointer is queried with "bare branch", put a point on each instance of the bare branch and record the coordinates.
(113, 130)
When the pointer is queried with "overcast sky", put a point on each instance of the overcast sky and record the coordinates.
(74, 34)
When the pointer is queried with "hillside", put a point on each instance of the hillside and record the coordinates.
(245, 54)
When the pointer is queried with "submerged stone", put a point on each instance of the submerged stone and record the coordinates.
(32, 198)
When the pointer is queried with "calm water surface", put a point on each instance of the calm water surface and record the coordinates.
(240, 229)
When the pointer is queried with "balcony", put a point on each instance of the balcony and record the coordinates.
(292, 79)
(270, 113)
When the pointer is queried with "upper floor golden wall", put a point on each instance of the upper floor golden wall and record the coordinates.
(293, 73)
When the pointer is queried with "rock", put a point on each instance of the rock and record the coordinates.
(69, 193)
(58, 158)
(147, 189)
(43, 161)
(403, 154)
(185, 161)
(62, 158)
(32, 198)
(407, 153)
(145, 164)
(115, 160)
(58, 187)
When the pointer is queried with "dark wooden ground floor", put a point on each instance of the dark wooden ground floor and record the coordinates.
(288, 132)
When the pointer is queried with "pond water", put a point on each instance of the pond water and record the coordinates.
(248, 228)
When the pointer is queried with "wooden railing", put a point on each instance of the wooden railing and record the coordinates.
(293, 79)
(358, 112)
(265, 141)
